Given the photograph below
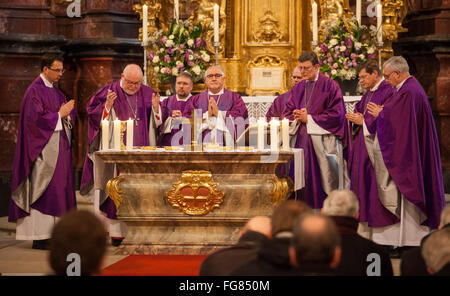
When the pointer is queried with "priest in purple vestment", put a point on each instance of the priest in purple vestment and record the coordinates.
(317, 113)
(406, 159)
(224, 113)
(124, 99)
(363, 180)
(168, 113)
(42, 180)
(278, 105)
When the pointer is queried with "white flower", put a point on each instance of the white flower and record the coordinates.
(362, 57)
(161, 49)
(190, 42)
(174, 71)
(171, 37)
(163, 69)
(370, 50)
(196, 69)
(333, 72)
(206, 57)
(178, 62)
(156, 69)
(343, 71)
(358, 44)
(348, 75)
(333, 42)
(342, 48)
(155, 59)
(170, 43)
(191, 57)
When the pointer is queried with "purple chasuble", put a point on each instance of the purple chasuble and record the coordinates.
(37, 122)
(277, 107)
(324, 102)
(409, 144)
(125, 106)
(363, 180)
(228, 101)
(167, 106)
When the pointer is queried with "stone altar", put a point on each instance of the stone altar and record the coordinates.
(188, 202)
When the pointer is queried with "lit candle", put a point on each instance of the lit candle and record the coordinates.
(105, 134)
(285, 133)
(216, 23)
(144, 24)
(176, 10)
(274, 125)
(261, 124)
(314, 22)
(379, 22)
(116, 134)
(358, 11)
(130, 132)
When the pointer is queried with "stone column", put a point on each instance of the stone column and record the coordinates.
(426, 46)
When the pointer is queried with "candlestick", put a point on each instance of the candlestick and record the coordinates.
(144, 25)
(216, 23)
(261, 125)
(116, 134)
(176, 10)
(274, 126)
(130, 134)
(285, 133)
(358, 11)
(105, 134)
(314, 22)
(379, 22)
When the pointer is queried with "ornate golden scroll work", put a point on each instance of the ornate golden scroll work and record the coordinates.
(113, 190)
(269, 30)
(282, 188)
(195, 193)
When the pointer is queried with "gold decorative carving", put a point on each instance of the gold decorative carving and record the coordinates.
(113, 190)
(123, 128)
(268, 29)
(266, 63)
(282, 188)
(394, 11)
(195, 193)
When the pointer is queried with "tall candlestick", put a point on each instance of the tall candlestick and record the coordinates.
(216, 23)
(379, 23)
(314, 22)
(116, 134)
(285, 133)
(130, 133)
(358, 11)
(176, 10)
(261, 124)
(105, 134)
(144, 24)
(274, 126)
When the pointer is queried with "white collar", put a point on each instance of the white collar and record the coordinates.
(398, 86)
(183, 100)
(315, 79)
(219, 93)
(377, 85)
(46, 82)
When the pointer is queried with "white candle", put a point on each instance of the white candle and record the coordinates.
(314, 21)
(176, 10)
(144, 24)
(130, 132)
(261, 124)
(116, 134)
(379, 22)
(285, 133)
(216, 23)
(105, 134)
(358, 11)
(274, 126)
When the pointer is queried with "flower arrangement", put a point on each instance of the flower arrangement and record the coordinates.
(180, 49)
(346, 45)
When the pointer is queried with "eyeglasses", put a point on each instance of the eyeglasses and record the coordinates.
(305, 68)
(218, 75)
(296, 77)
(57, 70)
(362, 77)
(387, 76)
(131, 82)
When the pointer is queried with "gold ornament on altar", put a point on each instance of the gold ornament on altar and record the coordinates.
(113, 190)
(282, 188)
(195, 193)
(268, 29)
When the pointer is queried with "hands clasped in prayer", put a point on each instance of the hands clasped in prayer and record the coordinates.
(356, 118)
(301, 115)
(213, 110)
(374, 109)
(66, 108)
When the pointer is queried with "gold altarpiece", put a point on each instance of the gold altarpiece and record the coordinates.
(260, 40)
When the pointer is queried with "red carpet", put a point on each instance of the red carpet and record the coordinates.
(158, 265)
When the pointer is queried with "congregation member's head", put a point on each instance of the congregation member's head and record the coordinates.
(260, 224)
(369, 74)
(285, 214)
(308, 65)
(214, 79)
(445, 217)
(316, 242)
(131, 79)
(78, 233)
(342, 203)
(52, 68)
(296, 76)
(183, 85)
(436, 251)
(395, 70)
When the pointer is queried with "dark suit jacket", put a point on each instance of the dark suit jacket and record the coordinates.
(223, 262)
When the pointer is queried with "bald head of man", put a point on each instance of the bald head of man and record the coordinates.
(131, 79)
(261, 224)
